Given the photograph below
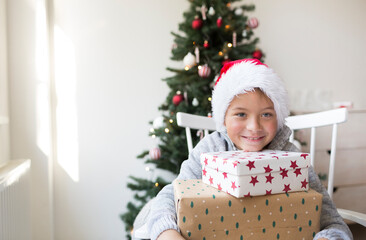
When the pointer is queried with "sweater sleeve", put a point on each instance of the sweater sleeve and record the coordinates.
(163, 215)
(331, 223)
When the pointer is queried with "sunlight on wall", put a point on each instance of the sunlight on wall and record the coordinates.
(42, 84)
(66, 112)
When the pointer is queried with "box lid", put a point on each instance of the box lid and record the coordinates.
(248, 163)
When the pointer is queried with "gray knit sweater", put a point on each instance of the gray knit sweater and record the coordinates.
(162, 215)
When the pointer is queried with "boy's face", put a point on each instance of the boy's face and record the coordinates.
(251, 121)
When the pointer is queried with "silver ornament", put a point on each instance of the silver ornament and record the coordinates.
(195, 102)
(211, 11)
(189, 60)
(238, 11)
(158, 122)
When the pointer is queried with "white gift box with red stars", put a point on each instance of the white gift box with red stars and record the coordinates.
(244, 174)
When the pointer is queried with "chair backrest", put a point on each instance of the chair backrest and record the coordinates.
(191, 121)
(305, 121)
(313, 121)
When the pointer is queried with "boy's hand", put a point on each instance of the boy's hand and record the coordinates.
(170, 234)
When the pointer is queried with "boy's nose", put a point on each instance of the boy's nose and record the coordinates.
(253, 124)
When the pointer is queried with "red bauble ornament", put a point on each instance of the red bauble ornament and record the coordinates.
(177, 99)
(197, 23)
(204, 71)
(206, 44)
(219, 22)
(155, 153)
(253, 22)
(257, 54)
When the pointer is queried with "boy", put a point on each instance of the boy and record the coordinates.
(249, 104)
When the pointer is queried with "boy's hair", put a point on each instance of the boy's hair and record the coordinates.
(244, 76)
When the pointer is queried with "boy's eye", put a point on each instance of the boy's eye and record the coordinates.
(241, 114)
(266, 115)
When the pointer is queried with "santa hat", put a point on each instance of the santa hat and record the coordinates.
(244, 76)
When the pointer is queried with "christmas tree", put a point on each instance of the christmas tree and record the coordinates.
(214, 32)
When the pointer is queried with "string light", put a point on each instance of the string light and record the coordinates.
(227, 26)
(156, 184)
(171, 120)
(199, 67)
(152, 130)
(209, 99)
(186, 68)
(230, 45)
(153, 136)
(167, 130)
(147, 169)
(221, 53)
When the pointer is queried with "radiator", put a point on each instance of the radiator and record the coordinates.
(15, 200)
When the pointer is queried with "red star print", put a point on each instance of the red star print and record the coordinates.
(283, 173)
(250, 165)
(254, 180)
(304, 155)
(225, 174)
(248, 195)
(233, 185)
(275, 157)
(267, 169)
(211, 180)
(206, 161)
(298, 172)
(269, 178)
(304, 183)
(235, 163)
(219, 187)
(204, 172)
(214, 160)
(286, 188)
(285, 154)
(224, 161)
(269, 192)
(217, 169)
(293, 164)
(262, 155)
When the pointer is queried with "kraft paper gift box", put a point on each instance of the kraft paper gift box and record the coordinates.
(243, 174)
(205, 213)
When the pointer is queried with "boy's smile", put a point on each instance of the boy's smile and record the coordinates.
(251, 121)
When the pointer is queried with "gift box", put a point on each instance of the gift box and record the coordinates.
(267, 172)
(205, 213)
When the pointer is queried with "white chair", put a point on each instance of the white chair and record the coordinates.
(312, 121)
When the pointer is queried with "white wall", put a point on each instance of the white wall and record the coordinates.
(120, 51)
(4, 128)
(27, 97)
(317, 47)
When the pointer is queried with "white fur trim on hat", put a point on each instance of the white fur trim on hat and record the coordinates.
(243, 76)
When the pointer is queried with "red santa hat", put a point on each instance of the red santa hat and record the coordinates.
(244, 76)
